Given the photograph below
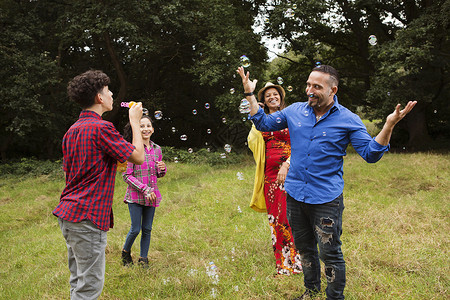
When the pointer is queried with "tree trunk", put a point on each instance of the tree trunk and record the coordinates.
(416, 125)
(112, 115)
(4, 146)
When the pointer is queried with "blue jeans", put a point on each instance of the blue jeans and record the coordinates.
(141, 216)
(319, 224)
(86, 255)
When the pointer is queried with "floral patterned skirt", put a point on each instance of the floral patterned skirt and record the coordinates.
(286, 255)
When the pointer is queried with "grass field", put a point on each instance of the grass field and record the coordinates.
(395, 239)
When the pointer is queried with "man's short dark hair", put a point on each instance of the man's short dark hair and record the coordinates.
(84, 87)
(334, 75)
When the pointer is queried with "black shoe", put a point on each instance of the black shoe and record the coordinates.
(126, 258)
(143, 261)
(308, 294)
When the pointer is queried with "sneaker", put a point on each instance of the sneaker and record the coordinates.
(126, 258)
(143, 261)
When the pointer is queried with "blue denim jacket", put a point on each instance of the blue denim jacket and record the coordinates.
(318, 148)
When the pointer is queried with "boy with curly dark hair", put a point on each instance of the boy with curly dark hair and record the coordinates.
(91, 149)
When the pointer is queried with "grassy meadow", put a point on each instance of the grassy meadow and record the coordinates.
(395, 239)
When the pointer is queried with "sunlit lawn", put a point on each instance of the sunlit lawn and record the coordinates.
(395, 239)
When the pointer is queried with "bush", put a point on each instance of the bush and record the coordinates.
(171, 154)
(31, 167)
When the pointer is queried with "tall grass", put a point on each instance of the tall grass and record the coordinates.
(395, 238)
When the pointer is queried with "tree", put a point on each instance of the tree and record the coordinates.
(28, 74)
(357, 38)
(415, 66)
(174, 56)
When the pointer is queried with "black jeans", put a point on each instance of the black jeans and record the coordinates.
(319, 224)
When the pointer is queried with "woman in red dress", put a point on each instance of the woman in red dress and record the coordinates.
(271, 152)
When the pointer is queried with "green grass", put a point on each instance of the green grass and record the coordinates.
(395, 238)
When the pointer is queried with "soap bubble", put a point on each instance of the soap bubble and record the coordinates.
(158, 115)
(244, 119)
(207, 106)
(193, 47)
(183, 137)
(318, 63)
(389, 31)
(228, 52)
(372, 40)
(280, 80)
(239, 209)
(175, 159)
(174, 129)
(208, 149)
(223, 155)
(294, 6)
(278, 120)
(324, 133)
(299, 124)
(224, 120)
(289, 13)
(266, 20)
(240, 176)
(194, 111)
(388, 93)
(208, 131)
(213, 293)
(245, 61)
(227, 148)
(145, 112)
(190, 150)
(232, 91)
(290, 88)
(244, 107)
(435, 111)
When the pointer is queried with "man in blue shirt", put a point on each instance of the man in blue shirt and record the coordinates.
(320, 132)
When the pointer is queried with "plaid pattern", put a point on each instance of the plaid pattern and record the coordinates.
(91, 149)
(141, 179)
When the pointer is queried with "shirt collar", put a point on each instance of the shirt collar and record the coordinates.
(89, 114)
(336, 104)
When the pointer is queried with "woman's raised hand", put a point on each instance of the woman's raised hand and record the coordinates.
(249, 86)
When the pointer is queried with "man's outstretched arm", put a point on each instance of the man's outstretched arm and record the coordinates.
(384, 136)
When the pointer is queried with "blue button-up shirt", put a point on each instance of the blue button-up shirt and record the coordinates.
(318, 148)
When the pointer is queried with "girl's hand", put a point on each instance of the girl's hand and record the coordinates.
(151, 197)
(161, 166)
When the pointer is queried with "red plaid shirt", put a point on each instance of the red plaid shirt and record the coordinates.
(91, 149)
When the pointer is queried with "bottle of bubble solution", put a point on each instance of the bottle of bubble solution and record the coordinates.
(130, 104)
(127, 104)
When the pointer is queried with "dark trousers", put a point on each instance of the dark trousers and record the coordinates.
(319, 225)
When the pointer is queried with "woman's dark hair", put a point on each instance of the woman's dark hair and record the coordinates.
(282, 103)
(84, 87)
(128, 132)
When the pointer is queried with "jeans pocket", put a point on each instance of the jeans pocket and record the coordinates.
(81, 241)
(335, 203)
